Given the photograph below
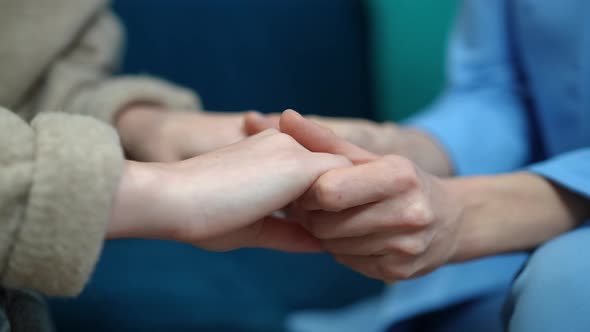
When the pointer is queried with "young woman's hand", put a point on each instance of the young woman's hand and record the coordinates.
(149, 133)
(220, 200)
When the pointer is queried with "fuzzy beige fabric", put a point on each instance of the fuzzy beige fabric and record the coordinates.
(60, 161)
(56, 199)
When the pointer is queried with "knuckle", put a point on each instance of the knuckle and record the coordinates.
(419, 214)
(408, 178)
(328, 195)
(406, 172)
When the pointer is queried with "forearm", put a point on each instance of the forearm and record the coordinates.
(139, 207)
(423, 150)
(512, 212)
(136, 124)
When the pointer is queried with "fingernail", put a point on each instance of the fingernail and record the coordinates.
(256, 114)
(292, 111)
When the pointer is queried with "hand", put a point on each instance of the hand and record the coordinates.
(383, 217)
(219, 200)
(379, 138)
(149, 133)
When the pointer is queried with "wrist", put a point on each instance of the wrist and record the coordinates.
(136, 206)
(513, 212)
(472, 237)
(425, 151)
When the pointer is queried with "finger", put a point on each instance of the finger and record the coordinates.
(320, 139)
(403, 242)
(280, 234)
(345, 188)
(255, 122)
(355, 222)
(361, 220)
(321, 163)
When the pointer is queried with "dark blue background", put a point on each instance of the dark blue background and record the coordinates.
(268, 55)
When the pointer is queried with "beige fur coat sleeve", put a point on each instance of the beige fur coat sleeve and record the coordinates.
(60, 160)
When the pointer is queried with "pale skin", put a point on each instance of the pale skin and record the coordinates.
(151, 133)
(394, 215)
(387, 218)
(206, 183)
(220, 200)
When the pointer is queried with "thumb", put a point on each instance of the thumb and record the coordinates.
(255, 123)
(321, 139)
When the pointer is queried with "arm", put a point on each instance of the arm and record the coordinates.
(60, 196)
(523, 210)
(390, 220)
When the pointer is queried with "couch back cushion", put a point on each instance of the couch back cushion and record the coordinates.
(310, 55)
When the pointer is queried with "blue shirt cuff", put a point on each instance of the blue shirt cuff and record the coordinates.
(570, 170)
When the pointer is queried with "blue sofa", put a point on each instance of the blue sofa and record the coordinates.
(255, 54)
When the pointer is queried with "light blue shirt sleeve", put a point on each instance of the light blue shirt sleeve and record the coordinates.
(570, 170)
(480, 120)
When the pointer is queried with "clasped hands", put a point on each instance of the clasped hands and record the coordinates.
(379, 215)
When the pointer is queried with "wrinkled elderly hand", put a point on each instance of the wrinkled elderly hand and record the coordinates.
(383, 217)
